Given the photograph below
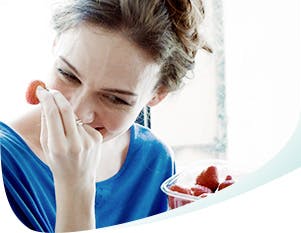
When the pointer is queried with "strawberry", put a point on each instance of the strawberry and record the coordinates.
(175, 202)
(171, 202)
(31, 91)
(227, 182)
(198, 190)
(208, 178)
(180, 189)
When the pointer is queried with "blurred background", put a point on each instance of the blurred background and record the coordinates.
(242, 104)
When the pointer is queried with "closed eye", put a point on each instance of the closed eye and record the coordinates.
(69, 76)
(115, 100)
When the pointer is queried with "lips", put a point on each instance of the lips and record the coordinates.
(100, 130)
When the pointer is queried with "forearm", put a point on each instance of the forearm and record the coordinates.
(74, 208)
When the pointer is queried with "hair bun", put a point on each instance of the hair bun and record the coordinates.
(186, 15)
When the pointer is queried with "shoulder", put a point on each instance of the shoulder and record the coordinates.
(154, 150)
(11, 142)
(145, 138)
(7, 134)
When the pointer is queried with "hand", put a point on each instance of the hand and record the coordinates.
(73, 153)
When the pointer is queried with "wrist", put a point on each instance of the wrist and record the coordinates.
(78, 193)
(75, 207)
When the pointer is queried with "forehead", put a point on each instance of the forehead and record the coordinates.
(97, 53)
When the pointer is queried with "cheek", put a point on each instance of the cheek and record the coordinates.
(120, 121)
(116, 122)
(58, 85)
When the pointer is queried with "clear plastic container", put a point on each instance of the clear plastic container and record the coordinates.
(187, 179)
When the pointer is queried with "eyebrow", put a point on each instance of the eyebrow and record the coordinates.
(70, 66)
(119, 91)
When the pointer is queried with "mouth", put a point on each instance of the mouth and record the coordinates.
(100, 129)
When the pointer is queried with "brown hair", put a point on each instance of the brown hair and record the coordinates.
(165, 29)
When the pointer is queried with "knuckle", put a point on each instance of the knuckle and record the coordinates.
(75, 149)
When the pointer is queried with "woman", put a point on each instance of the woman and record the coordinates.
(78, 161)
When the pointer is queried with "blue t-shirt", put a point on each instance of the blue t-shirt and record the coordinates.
(133, 193)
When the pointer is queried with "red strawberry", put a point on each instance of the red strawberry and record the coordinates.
(31, 91)
(175, 202)
(208, 178)
(171, 202)
(198, 190)
(180, 189)
(227, 182)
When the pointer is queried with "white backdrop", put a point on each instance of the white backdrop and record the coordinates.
(263, 103)
(25, 47)
(263, 45)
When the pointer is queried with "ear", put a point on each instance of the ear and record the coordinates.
(159, 95)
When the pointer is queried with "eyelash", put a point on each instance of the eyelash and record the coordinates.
(115, 100)
(111, 98)
(68, 76)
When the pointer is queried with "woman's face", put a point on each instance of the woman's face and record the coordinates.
(105, 77)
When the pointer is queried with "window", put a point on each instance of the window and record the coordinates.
(193, 120)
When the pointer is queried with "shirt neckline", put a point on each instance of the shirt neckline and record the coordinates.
(125, 163)
(115, 176)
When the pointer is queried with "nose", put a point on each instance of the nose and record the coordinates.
(82, 105)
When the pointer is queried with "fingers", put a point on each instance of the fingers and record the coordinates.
(43, 135)
(67, 115)
(54, 124)
(94, 134)
(58, 124)
(72, 150)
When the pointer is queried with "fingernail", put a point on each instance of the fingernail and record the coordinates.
(39, 91)
(39, 88)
